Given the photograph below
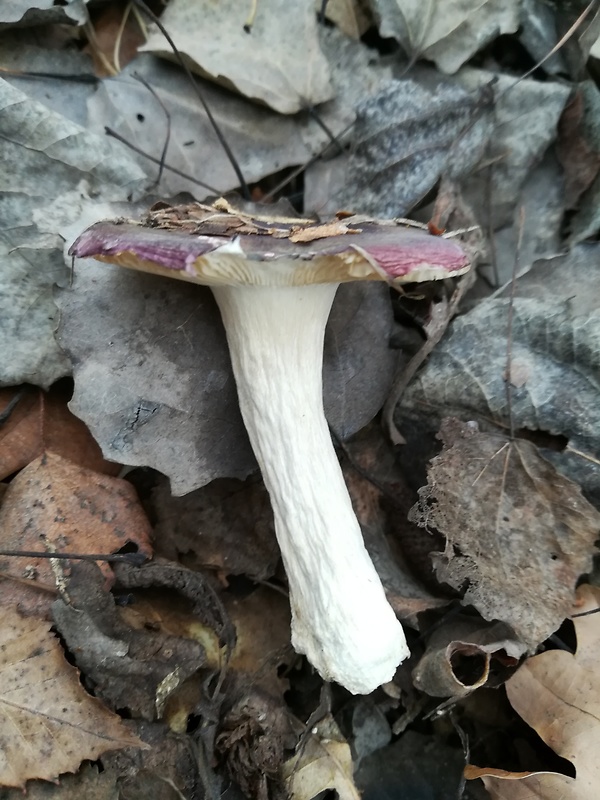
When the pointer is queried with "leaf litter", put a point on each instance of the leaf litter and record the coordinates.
(159, 640)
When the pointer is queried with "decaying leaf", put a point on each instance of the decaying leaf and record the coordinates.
(55, 504)
(558, 694)
(518, 533)
(406, 136)
(136, 656)
(43, 704)
(248, 48)
(226, 526)
(89, 782)
(323, 762)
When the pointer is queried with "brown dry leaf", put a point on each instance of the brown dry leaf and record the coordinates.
(57, 503)
(325, 762)
(519, 534)
(41, 421)
(459, 657)
(309, 234)
(558, 694)
(48, 724)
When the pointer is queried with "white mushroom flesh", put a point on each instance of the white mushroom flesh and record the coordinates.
(341, 619)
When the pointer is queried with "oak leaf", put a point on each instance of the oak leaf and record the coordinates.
(558, 694)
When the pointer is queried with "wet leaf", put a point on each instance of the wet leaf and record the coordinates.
(43, 703)
(518, 533)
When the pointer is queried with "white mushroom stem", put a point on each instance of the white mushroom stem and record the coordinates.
(341, 619)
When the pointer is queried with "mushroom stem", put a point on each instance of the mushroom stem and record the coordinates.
(341, 619)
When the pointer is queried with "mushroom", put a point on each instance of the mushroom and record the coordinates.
(274, 278)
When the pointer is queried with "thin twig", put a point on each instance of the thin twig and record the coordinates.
(135, 559)
(443, 313)
(182, 63)
(110, 132)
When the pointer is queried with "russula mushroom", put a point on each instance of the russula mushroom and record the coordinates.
(274, 279)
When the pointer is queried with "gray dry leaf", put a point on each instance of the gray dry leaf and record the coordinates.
(555, 355)
(448, 32)
(45, 159)
(153, 379)
(519, 105)
(408, 135)
(271, 55)
(518, 533)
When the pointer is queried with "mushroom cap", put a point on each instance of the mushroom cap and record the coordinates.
(220, 244)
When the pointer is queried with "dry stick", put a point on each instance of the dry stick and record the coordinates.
(163, 155)
(109, 132)
(442, 315)
(135, 559)
(219, 133)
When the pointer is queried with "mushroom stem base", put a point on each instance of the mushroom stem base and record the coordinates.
(341, 619)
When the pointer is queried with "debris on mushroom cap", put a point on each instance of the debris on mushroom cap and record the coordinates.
(209, 243)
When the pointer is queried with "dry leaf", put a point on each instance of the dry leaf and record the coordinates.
(352, 17)
(325, 762)
(44, 706)
(460, 654)
(226, 526)
(71, 509)
(265, 59)
(558, 694)
(41, 421)
(519, 534)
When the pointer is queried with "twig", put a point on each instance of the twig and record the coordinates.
(182, 63)
(442, 314)
(110, 132)
(156, 96)
(134, 559)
